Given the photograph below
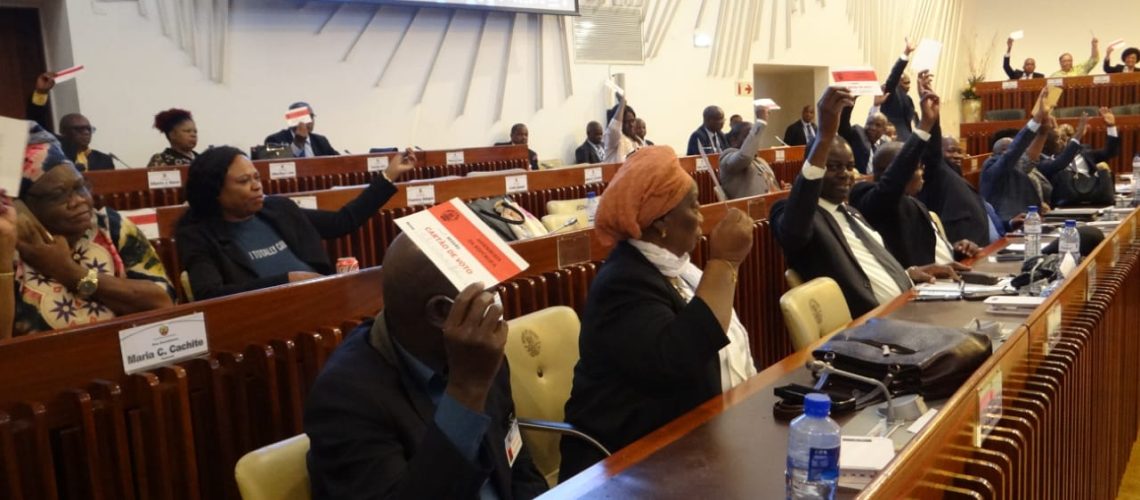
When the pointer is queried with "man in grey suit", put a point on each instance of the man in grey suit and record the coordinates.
(742, 173)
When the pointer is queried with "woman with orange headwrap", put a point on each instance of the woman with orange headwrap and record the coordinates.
(658, 336)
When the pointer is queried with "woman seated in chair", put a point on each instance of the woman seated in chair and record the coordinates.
(68, 263)
(234, 238)
(659, 337)
(182, 134)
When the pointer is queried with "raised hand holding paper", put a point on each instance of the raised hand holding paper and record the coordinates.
(858, 80)
(767, 103)
(925, 57)
(1116, 43)
(461, 245)
(64, 75)
(298, 116)
(13, 142)
(1017, 35)
(614, 87)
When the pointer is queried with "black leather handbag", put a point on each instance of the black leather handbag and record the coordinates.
(909, 358)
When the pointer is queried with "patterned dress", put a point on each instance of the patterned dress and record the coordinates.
(170, 157)
(114, 246)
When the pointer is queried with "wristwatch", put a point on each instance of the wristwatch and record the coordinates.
(87, 286)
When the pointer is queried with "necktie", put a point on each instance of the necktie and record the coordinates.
(892, 266)
(809, 133)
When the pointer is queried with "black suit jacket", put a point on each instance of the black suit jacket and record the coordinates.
(902, 221)
(1016, 74)
(320, 143)
(373, 435)
(1113, 68)
(1004, 184)
(794, 134)
(96, 160)
(586, 154)
(646, 357)
(700, 139)
(814, 245)
(856, 137)
(218, 266)
(1064, 191)
(898, 108)
(949, 195)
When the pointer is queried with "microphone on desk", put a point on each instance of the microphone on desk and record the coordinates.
(570, 222)
(781, 141)
(120, 160)
(823, 369)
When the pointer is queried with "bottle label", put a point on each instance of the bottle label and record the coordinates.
(823, 464)
(1069, 247)
(1032, 229)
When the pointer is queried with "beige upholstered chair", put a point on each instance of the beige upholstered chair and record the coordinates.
(566, 206)
(275, 472)
(814, 309)
(792, 278)
(559, 222)
(542, 349)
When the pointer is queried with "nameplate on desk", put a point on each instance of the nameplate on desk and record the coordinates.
(455, 157)
(163, 342)
(593, 175)
(1052, 328)
(1101, 79)
(1055, 82)
(703, 165)
(779, 154)
(989, 407)
(377, 163)
(420, 195)
(1115, 251)
(283, 170)
(573, 249)
(1009, 85)
(973, 163)
(1090, 279)
(309, 202)
(516, 184)
(163, 179)
(758, 209)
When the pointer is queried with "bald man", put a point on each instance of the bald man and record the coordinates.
(1027, 70)
(804, 130)
(708, 137)
(416, 403)
(1067, 67)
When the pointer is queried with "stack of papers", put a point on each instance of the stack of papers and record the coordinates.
(951, 290)
(861, 458)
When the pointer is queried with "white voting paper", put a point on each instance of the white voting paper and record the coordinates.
(1017, 35)
(461, 245)
(926, 55)
(13, 143)
(614, 87)
(767, 103)
(859, 80)
(1116, 43)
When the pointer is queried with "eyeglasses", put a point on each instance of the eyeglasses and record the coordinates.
(83, 129)
(63, 196)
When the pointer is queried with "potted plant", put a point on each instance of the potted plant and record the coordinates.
(971, 103)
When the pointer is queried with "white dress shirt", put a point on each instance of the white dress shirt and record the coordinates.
(302, 152)
(617, 145)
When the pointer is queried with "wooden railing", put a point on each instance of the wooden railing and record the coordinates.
(1097, 90)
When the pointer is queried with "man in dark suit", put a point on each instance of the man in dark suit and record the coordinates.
(708, 137)
(417, 402)
(1079, 180)
(804, 130)
(301, 139)
(822, 236)
(863, 140)
(1004, 183)
(592, 150)
(889, 205)
(520, 135)
(75, 131)
(949, 195)
(898, 107)
(1027, 68)
(639, 129)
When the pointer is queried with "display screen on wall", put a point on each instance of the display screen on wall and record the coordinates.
(565, 7)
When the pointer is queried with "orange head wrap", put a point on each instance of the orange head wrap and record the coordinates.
(648, 186)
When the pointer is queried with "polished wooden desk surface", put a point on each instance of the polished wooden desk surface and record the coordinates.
(732, 446)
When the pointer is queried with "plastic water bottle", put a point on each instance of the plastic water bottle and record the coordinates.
(1070, 243)
(813, 452)
(591, 207)
(1136, 180)
(1032, 228)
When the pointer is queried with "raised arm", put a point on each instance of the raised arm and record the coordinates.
(1112, 141)
(356, 212)
(1094, 57)
(855, 140)
(37, 108)
(1009, 71)
(900, 66)
(611, 138)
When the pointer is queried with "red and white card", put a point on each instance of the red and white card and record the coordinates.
(859, 80)
(461, 245)
(298, 116)
(64, 75)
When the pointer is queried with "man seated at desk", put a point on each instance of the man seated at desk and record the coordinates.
(75, 130)
(302, 142)
(416, 403)
(822, 236)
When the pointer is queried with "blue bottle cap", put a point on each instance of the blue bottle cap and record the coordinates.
(817, 405)
(1070, 223)
(591, 194)
(1033, 208)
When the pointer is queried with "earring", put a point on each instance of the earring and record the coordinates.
(663, 234)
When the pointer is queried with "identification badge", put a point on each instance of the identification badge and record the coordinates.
(513, 443)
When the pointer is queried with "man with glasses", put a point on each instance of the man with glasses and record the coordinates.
(74, 133)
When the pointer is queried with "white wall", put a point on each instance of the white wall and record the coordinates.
(276, 53)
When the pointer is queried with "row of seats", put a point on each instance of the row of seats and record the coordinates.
(997, 115)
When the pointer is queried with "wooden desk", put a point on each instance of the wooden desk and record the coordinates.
(1096, 90)
(731, 446)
